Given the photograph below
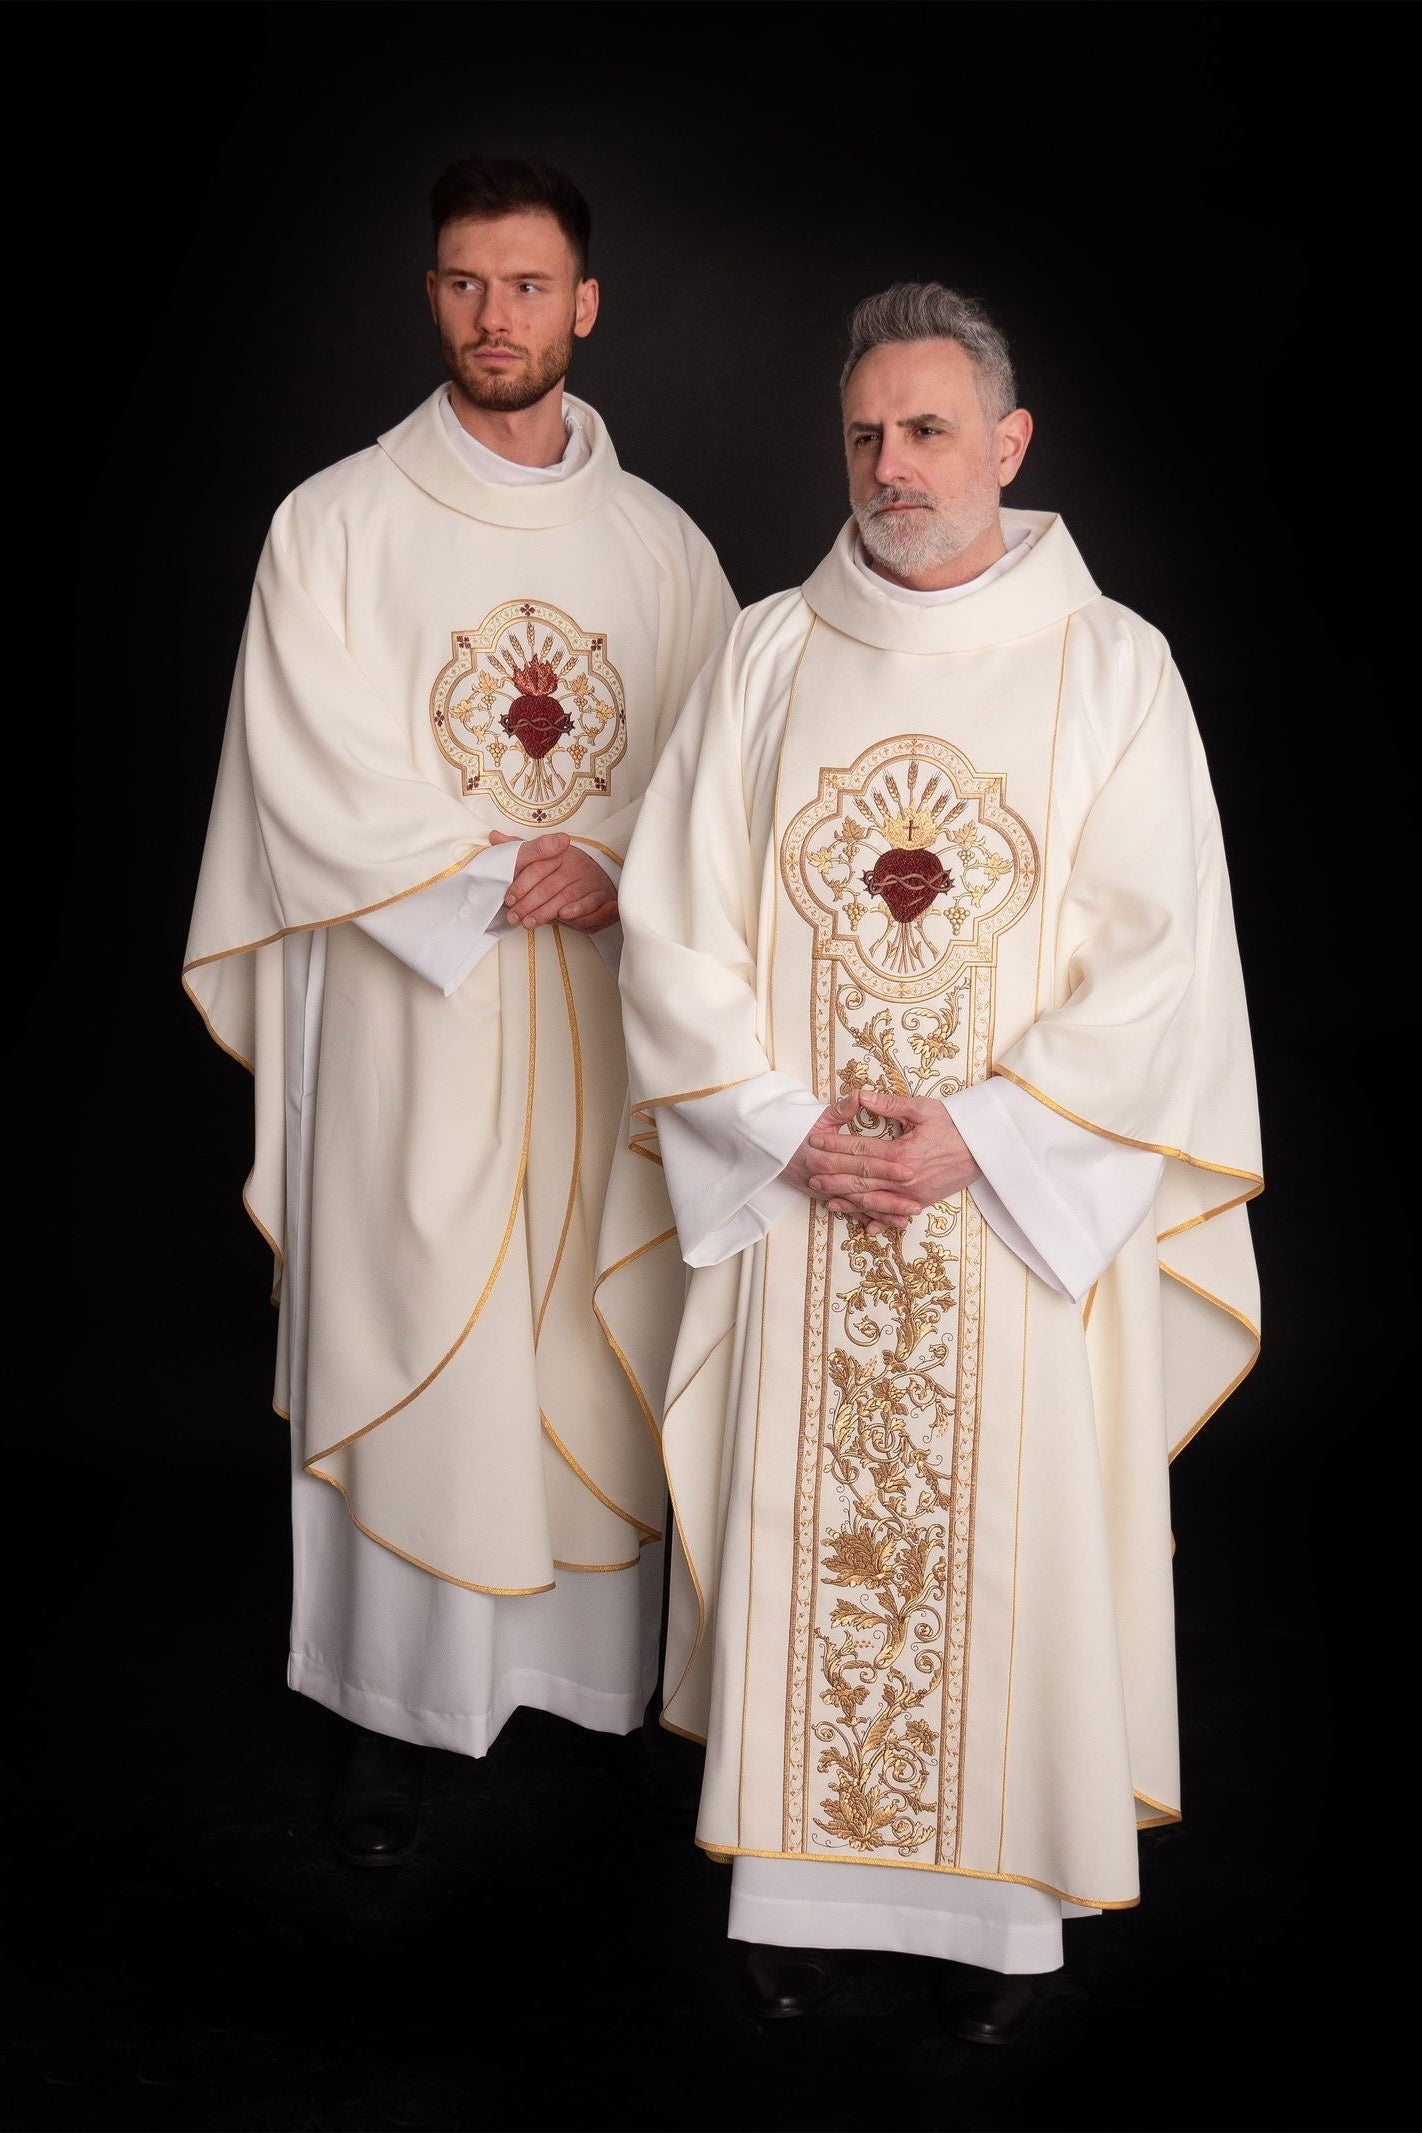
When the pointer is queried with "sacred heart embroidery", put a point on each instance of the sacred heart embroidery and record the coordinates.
(908, 881)
(908, 865)
(531, 711)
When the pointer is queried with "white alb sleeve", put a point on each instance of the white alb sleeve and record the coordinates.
(1063, 1198)
(441, 932)
(722, 1156)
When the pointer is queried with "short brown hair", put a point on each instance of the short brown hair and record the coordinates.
(481, 187)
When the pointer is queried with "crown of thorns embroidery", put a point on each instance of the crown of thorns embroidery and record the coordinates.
(909, 875)
(532, 711)
(533, 719)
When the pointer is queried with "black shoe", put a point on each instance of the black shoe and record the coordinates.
(375, 1807)
(783, 1982)
(984, 2006)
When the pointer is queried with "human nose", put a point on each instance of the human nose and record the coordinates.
(492, 314)
(891, 464)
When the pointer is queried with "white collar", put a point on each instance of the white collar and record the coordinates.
(1018, 538)
(492, 466)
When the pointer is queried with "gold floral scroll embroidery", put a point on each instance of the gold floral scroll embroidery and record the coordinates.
(531, 712)
(908, 866)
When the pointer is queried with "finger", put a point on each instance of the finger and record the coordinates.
(873, 1219)
(537, 859)
(846, 1151)
(550, 845)
(875, 1201)
(883, 1103)
(538, 877)
(539, 912)
(829, 1176)
(843, 1163)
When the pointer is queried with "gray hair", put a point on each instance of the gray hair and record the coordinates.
(926, 311)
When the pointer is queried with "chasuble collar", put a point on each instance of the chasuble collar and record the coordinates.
(1049, 584)
(421, 449)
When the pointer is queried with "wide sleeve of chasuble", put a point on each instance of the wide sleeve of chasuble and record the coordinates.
(319, 811)
(1143, 1032)
(1146, 1039)
(691, 890)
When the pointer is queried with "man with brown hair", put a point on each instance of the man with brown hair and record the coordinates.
(466, 648)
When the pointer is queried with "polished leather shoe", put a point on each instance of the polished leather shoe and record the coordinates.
(375, 1807)
(784, 1982)
(984, 2006)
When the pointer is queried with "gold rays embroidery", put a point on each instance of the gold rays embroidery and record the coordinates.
(908, 865)
(531, 712)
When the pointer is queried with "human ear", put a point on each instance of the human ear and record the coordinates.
(1012, 436)
(585, 309)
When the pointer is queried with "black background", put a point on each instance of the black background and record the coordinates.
(1187, 219)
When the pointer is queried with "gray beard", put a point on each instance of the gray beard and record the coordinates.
(910, 547)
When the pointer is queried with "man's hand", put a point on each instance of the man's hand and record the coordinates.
(807, 1156)
(883, 1182)
(556, 881)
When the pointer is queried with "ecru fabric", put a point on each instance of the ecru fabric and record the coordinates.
(432, 653)
(922, 1601)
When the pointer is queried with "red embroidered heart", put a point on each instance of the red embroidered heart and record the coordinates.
(536, 723)
(907, 881)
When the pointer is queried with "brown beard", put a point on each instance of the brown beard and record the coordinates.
(519, 389)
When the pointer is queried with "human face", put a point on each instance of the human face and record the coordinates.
(508, 305)
(926, 466)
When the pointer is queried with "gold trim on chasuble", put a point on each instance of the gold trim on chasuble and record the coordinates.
(907, 867)
(531, 712)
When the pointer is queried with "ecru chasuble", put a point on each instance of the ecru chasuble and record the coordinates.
(430, 655)
(921, 1607)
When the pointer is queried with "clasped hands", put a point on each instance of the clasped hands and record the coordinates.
(556, 882)
(881, 1180)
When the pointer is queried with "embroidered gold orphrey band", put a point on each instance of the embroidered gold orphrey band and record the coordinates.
(908, 866)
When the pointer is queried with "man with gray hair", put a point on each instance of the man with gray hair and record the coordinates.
(934, 1005)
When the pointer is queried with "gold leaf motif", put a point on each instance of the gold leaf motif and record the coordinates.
(530, 710)
(907, 865)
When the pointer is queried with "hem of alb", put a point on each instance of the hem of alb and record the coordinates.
(470, 1733)
(947, 1935)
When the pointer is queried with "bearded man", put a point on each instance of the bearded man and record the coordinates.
(933, 1000)
(465, 650)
